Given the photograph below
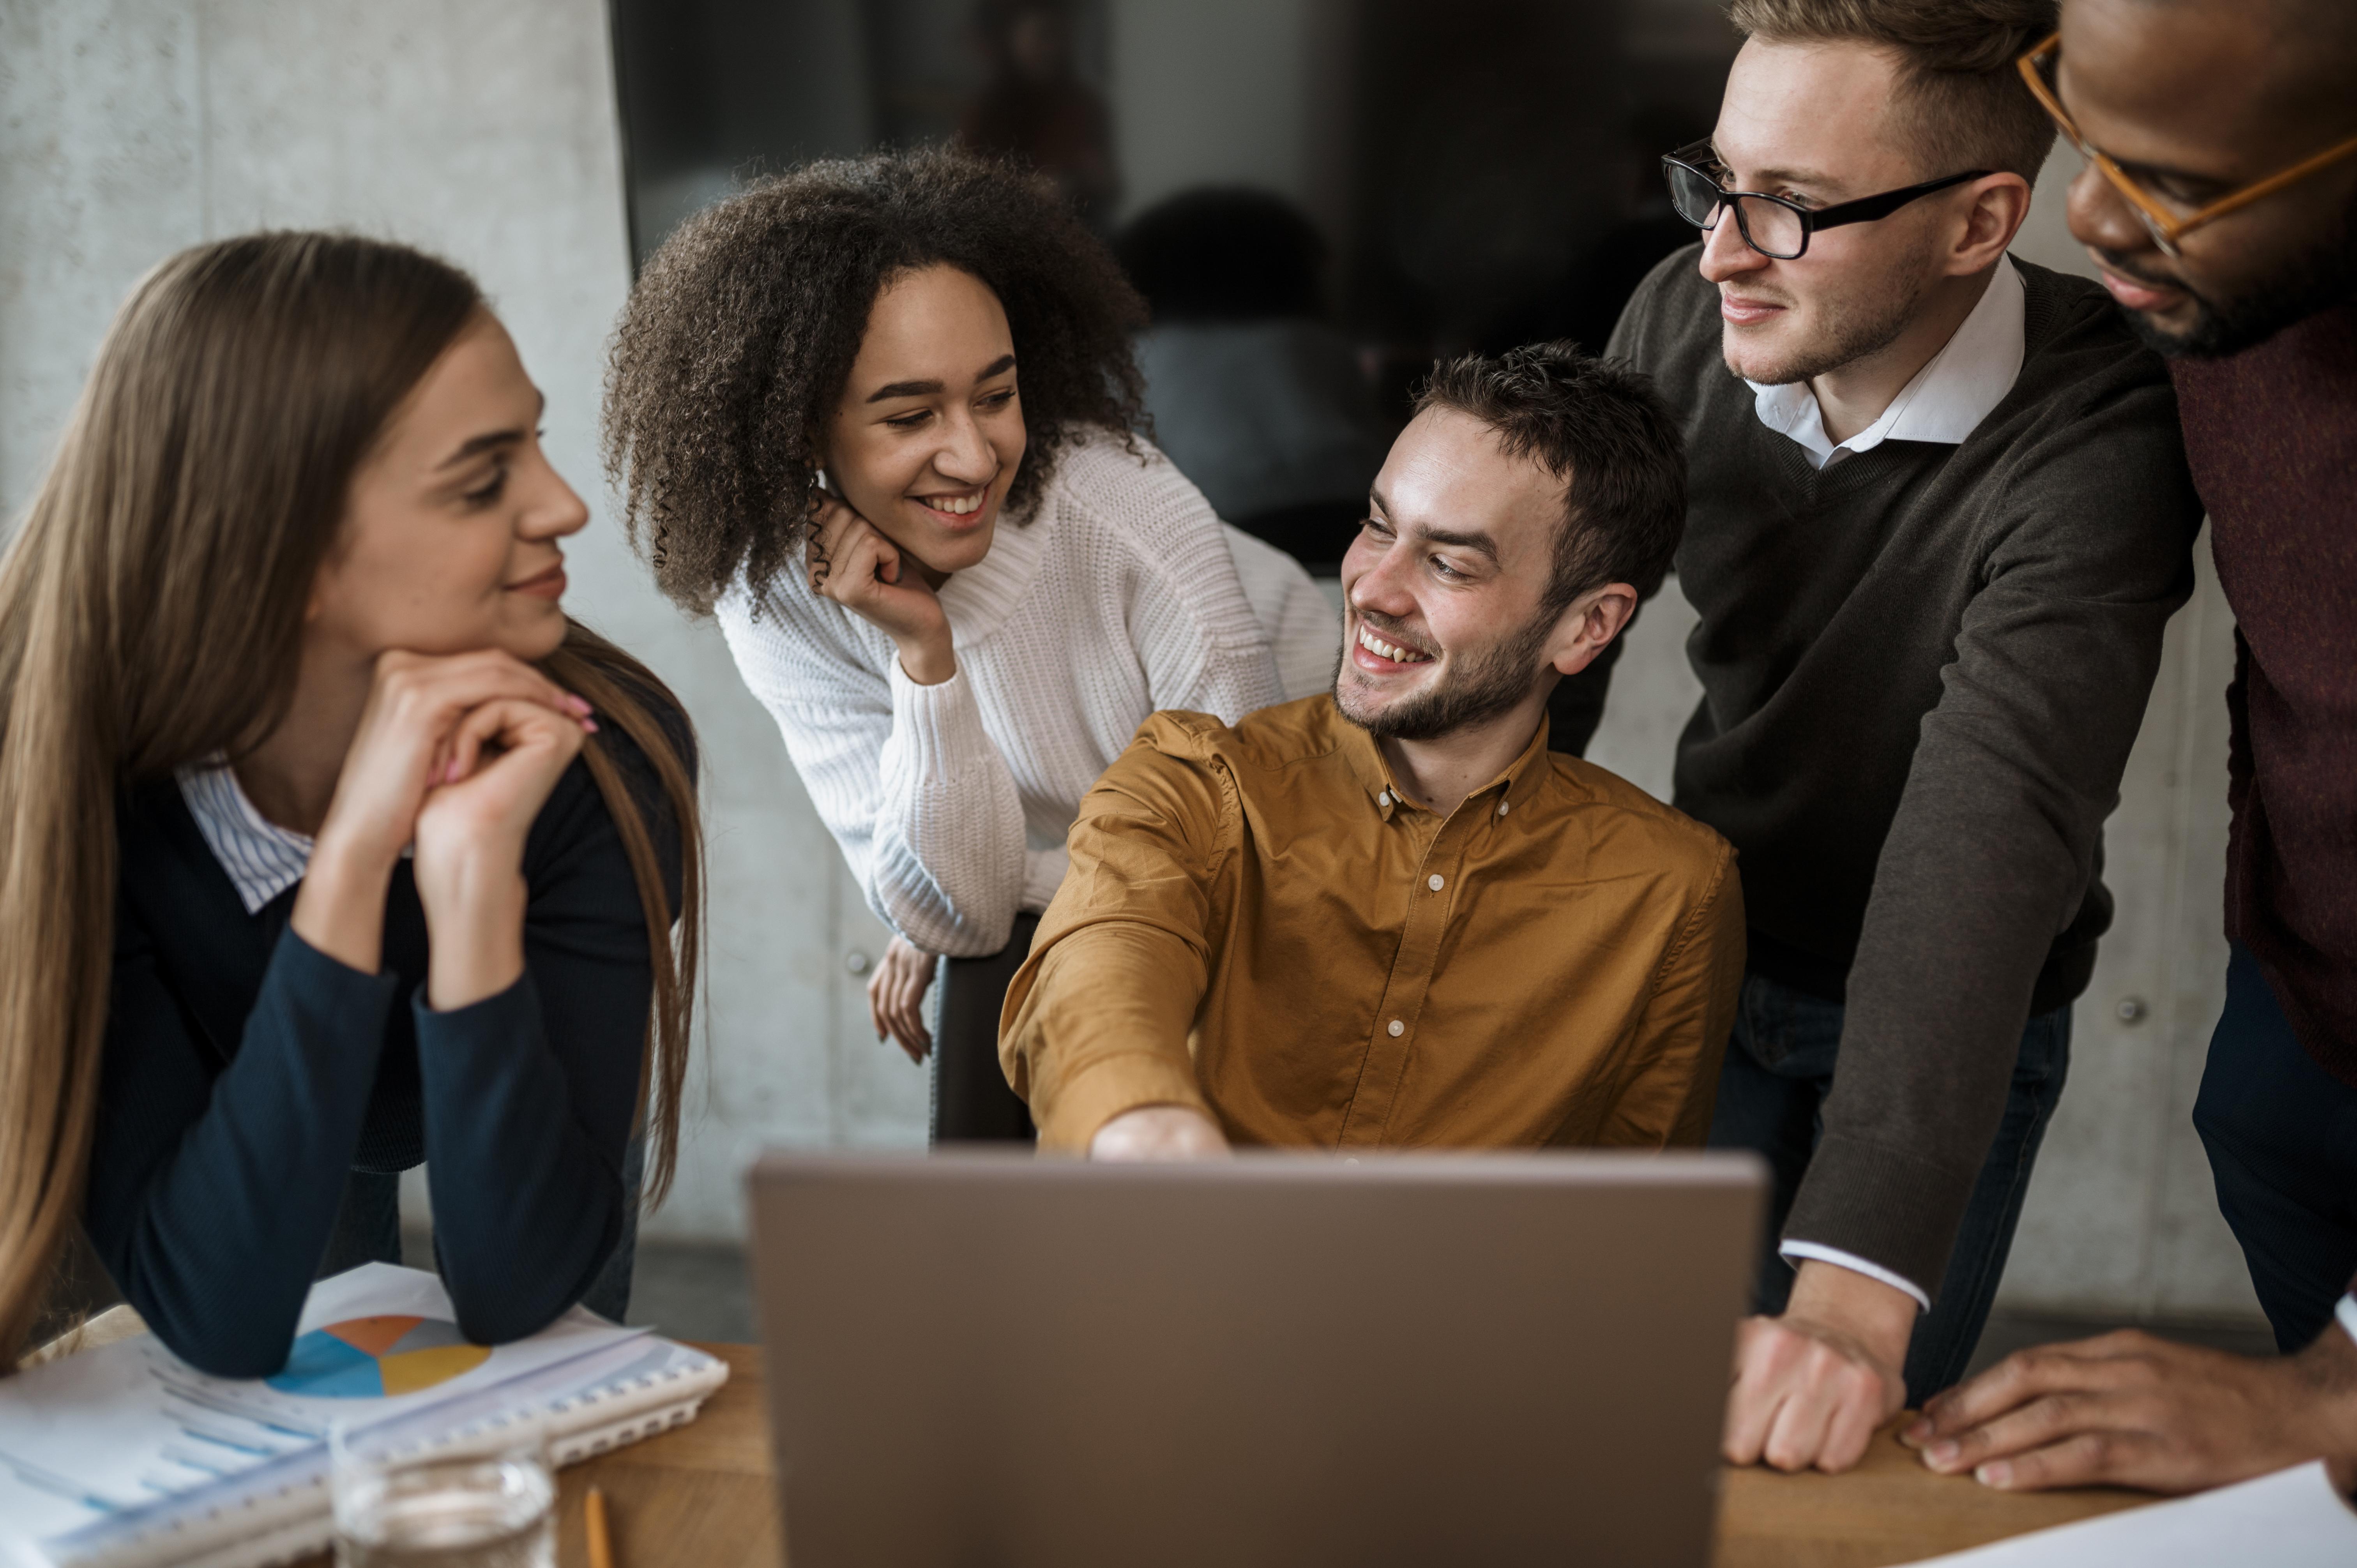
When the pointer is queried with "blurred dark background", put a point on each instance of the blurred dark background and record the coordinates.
(1316, 197)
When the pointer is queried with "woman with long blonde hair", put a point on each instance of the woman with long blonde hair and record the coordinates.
(328, 844)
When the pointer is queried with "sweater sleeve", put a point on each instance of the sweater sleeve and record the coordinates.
(530, 1095)
(212, 1189)
(215, 1186)
(1998, 832)
(905, 776)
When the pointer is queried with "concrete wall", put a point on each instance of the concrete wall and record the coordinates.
(129, 128)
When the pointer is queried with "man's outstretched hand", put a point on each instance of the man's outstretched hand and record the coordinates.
(2128, 1410)
(1811, 1387)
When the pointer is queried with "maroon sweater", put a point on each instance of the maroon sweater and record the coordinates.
(2271, 434)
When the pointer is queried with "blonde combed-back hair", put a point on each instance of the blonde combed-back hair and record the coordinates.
(1962, 103)
(151, 615)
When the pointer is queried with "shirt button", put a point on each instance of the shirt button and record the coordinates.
(1398, 1028)
(1435, 881)
(1502, 806)
(1384, 798)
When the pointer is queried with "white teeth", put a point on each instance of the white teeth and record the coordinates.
(957, 505)
(1377, 646)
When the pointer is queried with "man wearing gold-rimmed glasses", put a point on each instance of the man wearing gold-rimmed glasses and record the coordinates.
(2220, 199)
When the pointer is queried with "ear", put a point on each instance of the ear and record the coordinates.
(1588, 625)
(2000, 206)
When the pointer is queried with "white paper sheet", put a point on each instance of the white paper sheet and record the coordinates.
(2288, 1520)
(129, 1430)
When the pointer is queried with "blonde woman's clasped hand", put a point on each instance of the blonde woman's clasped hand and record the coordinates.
(455, 755)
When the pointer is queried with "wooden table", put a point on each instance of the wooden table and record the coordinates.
(701, 1495)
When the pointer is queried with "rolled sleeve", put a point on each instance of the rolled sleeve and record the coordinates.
(1098, 1020)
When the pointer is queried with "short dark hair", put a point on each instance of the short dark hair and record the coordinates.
(1599, 427)
(1961, 102)
(737, 343)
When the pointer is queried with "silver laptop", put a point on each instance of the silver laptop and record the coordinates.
(979, 1360)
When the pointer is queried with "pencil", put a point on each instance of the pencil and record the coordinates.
(601, 1547)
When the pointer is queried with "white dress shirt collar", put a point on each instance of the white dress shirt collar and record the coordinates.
(262, 858)
(1969, 376)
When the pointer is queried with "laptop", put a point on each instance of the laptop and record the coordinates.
(991, 1359)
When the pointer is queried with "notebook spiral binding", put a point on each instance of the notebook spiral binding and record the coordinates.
(294, 1519)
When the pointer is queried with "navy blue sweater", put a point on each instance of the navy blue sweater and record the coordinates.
(246, 1073)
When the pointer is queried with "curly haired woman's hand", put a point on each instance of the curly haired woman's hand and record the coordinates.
(895, 997)
(849, 562)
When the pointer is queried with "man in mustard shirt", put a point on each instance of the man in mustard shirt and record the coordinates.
(1390, 916)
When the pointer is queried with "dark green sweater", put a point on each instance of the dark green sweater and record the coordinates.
(1922, 668)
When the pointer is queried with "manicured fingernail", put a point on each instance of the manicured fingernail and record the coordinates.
(578, 705)
(1941, 1454)
(1997, 1473)
(1914, 1435)
(589, 726)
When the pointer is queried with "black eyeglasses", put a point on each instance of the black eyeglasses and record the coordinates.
(1771, 224)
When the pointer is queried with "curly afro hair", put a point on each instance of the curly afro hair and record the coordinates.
(739, 337)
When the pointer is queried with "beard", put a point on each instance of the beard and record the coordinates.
(2315, 280)
(1851, 326)
(1489, 682)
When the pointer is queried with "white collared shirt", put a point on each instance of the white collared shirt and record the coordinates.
(1947, 398)
(262, 858)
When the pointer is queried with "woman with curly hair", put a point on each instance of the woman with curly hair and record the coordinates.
(881, 415)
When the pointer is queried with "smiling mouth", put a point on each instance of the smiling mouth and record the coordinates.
(548, 584)
(1743, 308)
(963, 504)
(1392, 651)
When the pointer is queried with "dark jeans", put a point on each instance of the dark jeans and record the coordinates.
(972, 1102)
(1780, 1067)
(368, 1230)
(2282, 1137)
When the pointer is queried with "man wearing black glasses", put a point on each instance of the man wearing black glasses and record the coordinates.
(1939, 516)
(2220, 199)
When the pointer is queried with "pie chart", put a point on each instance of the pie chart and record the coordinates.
(376, 1358)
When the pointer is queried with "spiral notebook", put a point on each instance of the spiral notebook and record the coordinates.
(125, 1457)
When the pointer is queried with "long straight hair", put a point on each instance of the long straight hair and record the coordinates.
(151, 616)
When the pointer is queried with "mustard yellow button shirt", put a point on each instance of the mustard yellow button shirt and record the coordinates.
(1258, 925)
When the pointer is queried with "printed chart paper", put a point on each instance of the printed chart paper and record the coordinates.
(115, 1435)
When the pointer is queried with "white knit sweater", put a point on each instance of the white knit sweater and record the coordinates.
(1123, 595)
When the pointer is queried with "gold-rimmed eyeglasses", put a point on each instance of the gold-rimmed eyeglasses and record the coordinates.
(2162, 219)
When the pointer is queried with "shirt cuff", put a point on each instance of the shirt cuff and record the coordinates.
(1114, 1086)
(1856, 1264)
(2347, 1312)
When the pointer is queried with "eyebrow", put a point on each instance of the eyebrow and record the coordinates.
(490, 440)
(1462, 540)
(1480, 542)
(889, 390)
(1772, 176)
